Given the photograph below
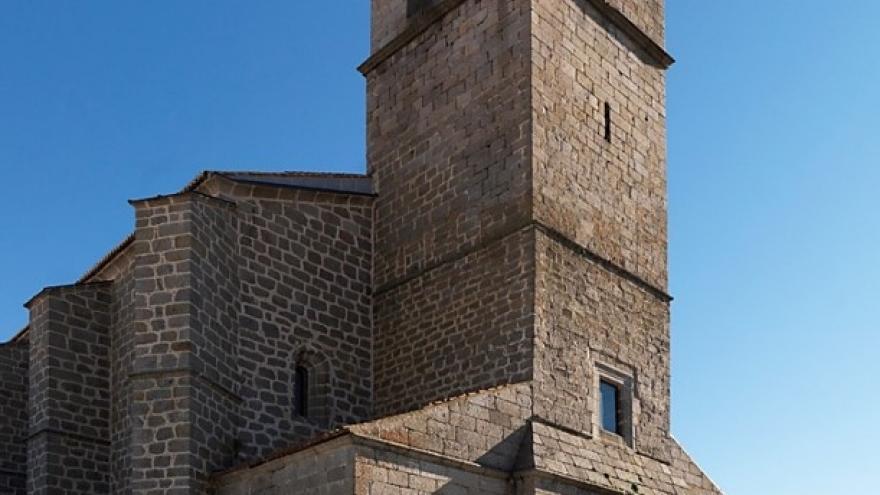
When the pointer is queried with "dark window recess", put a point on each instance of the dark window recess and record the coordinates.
(301, 391)
(413, 7)
(610, 395)
(607, 122)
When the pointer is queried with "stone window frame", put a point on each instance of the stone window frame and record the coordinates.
(319, 403)
(625, 380)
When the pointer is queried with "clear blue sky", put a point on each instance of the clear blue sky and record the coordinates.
(773, 186)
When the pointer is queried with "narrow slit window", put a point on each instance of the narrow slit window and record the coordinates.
(610, 396)
(607, 122)
(301, 391)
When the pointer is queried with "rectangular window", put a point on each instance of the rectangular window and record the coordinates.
(610, 407)
(301, 392)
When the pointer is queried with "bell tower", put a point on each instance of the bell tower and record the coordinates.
(518, 148)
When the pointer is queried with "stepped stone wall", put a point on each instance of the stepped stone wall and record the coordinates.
(647, 15)
(456, 308)
(449, 155)
(69, 387)
(305, 294)
(325, 469)
(254, 288)
(588, 318)
(168, 371)
(463, 326)
(121, 348)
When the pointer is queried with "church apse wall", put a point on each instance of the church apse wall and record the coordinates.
(306, 300)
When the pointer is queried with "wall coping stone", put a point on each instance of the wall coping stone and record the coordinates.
(57, 289)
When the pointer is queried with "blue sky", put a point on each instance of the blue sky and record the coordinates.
(773, 113)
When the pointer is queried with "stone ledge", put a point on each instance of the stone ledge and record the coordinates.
(417, 26)
(74, 436)
(161, 198)
(603, 262)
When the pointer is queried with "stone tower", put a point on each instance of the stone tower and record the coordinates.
(519, 151)
(484, 312)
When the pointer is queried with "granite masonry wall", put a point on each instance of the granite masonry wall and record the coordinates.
(463, 326)
(306, 300)
(648, 15)
(119, 269)
(69, 384)
(392, 17)
(389, 18)
(325, 469)
(214, 295)
(602, 206)
(587, 317)
(448, 150)
(483, 442)
(184, 402)
(608, 196)
(13, 417)
(213, 305)
(486, 428)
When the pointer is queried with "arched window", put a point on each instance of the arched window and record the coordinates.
(301, 391)
(311, 399)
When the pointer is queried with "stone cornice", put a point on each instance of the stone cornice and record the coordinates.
(56, 289)
(559, 237)
(657, 55)
(618, 19)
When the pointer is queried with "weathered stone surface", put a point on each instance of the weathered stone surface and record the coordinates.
(609, 197)
(448, 138)
(69, 390)
(462, 326)
(486, 428)
(450, 315)
(586, 318)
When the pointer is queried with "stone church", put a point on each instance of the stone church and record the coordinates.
(485, 311)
